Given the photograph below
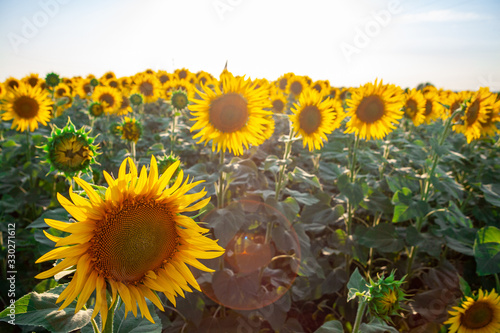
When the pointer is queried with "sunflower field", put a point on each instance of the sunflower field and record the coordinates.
(226, 204)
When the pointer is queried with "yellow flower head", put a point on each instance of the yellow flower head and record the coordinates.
(480, 314)
(232, 115)
(374, 109)
(110, 98)
(148, 86)
(132, 239)
(414, 106)
(26, 107)
(476, 114)
(314, 117)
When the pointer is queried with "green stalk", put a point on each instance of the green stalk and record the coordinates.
(132, 151)
(286, 155)
(427, 183)
(352, 175)
(172, 136)
(220, 192)
(359, 315)
(111, 313)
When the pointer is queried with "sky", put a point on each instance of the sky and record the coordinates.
(453, 44)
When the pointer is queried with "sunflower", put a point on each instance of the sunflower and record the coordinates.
(149, 86)
(70, 151)
(232, 117)
(344, 94)
(165, 162)
(476, 113)
(32, 79)
(334, 92)
(3, 91)
(113, 82)
(131, 129)
(489, 127)
(433, 109)
(385, 297)
(108, 75)
(124, 108)
(52, 80)
(179, 100)
(125, 84)
(163, 76)
(11, 83)
(83, 88)
(454, 101)
(282, 82)
(110, 98)
(480, 314)
(373, 109)
(314, 117)
(176, 84)
(278, 101)
(27, 106)
(96, 109)
(133, 239)
(183, 74)
(414, 106)
(204, 78)
(62, 90)
(321, 86)
(136, 99)
(296, 85)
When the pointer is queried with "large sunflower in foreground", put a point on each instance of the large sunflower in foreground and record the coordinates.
(476, 315)
(476, 114)
(133, 239)
(27, 106)
(231, 117)
(314, 117)
(374, 108)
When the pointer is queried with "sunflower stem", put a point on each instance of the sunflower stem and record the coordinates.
(427, 183)
(108, 328)
(286, 155)
(359, 316)
(132, 151)
(352, 177)
(172, 136)
(220, 192)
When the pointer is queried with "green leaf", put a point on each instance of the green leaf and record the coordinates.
(36, 309)
(332, 326)
(353, 192)
(357, 285)
(302, 197)
(300, 175)
(59, 214)
(382, 237)
(137, 324)
(406, 207)
(487, 251)
(377, 326)
(492, 193)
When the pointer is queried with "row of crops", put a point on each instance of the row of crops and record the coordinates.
(205, 204)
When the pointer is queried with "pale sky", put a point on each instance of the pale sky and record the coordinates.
(453, 44)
